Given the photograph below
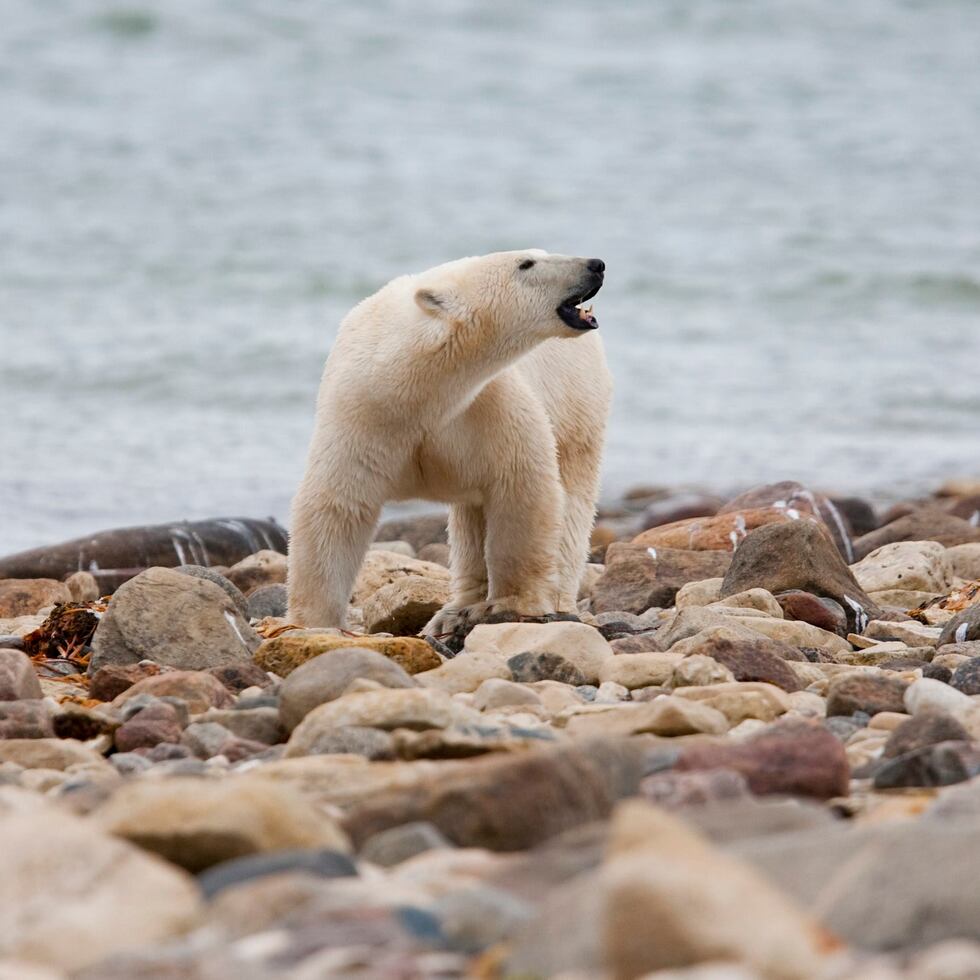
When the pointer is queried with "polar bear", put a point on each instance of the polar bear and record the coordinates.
(480, 383)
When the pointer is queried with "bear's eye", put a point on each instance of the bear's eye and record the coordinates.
(526, 264)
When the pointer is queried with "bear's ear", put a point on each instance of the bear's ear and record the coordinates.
(432, 302)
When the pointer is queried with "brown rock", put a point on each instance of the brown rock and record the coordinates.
(798, 555)
(83, 587)
(285, 653)
(794, 757)
(238, 677)
(924, 524)
(679, 507)
(793, 497)
(751, 660)
(403, 607)
(964, 627)
(17, 677)
(638, 577)
(108, 682)
(804, 607)
(197, 689)
(511, 803)
(865, 691)
(263, 568)
(25, 596)
(156, 723)
(48, 753)
(25, 719)
(723, 532)
(926, 728)
(436, 553)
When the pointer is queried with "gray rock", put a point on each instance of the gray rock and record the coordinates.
(205, 739)
(475, 918)
(530, 667)
(327, 676)
(25, 719)
(17, 677)
(391, 847)
(254, 724)
(320, 863)
(942, 764)
(268, 600)
(226, 585)
(964, 627)
(886, 887)
(922, 730)
(418, 531)
(174, 619)
(372, 743)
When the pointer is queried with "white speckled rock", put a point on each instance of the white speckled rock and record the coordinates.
(917, 565)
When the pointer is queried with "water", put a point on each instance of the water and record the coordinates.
(193, 192)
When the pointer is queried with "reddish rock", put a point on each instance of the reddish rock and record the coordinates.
(751, 660)
(674, 790)
(796, 499)
(25, 719)
(156, 723)
(679, 507)
(237, 677)
(108, 682)
(924, 524)
(199, 690)
(804, 607)
(17, 677)
(865, 691)
(25, 596)
(790, 757)
(723, 532)
(638, 577)
(798, 555)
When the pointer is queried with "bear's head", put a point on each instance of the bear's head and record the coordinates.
(531, 292)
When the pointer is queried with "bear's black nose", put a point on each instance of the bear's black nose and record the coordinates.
(596, 265)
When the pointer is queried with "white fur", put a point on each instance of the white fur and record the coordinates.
(460, 385)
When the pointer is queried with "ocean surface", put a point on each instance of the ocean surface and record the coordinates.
(193, 192)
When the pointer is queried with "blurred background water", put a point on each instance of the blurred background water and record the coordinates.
(193, 192)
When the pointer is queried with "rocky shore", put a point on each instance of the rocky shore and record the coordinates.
(756, 754)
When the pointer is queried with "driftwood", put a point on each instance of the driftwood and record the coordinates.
(117, 555)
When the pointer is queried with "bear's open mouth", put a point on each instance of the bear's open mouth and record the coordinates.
(572, 314)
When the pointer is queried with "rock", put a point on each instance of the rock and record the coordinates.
(319, 863)
(498, 693)
(465, 673)
(912, 634)
(907, 884)
(699, 671)
(858, 514)
(28, 718)
(941, 764)
(826, 614)
(865, 691)
(17, 677)
(798, 555)
(404, 606)
(527, 668)
(48, 753)
(83, 724)
(391, 847)
(666, 715)
(633, 917)
(381, 568)
(637, 577)
(758, 600)
(579, 644)
(197, 689)
(436, 553)
(197, 823)
(509, 803)
(639, 669)
(928, 694)
(678, 790)
(251, 724)
(418, 531)
(415, 708)
(679, 507)
(966, 677)
(327, 677)
(215, 576)
(925, 524)
(267, 600)
(371, 743)
(285, 653)
(53, 861)
(724, 532)
(964, 559)
(26, 596)
(916, 565)
(753, 660)
(794, 757)
(158, 722)
(172, 619)
(902, 599)
(797, 502)
(240, 677)
(262, 568)
(964, 627)
(396, 547)
(701, 593)
(922, 730)
(739, 701)
(108, 682)
(82, 587)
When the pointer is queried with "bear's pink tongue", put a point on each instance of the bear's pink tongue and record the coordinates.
(586, 315)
